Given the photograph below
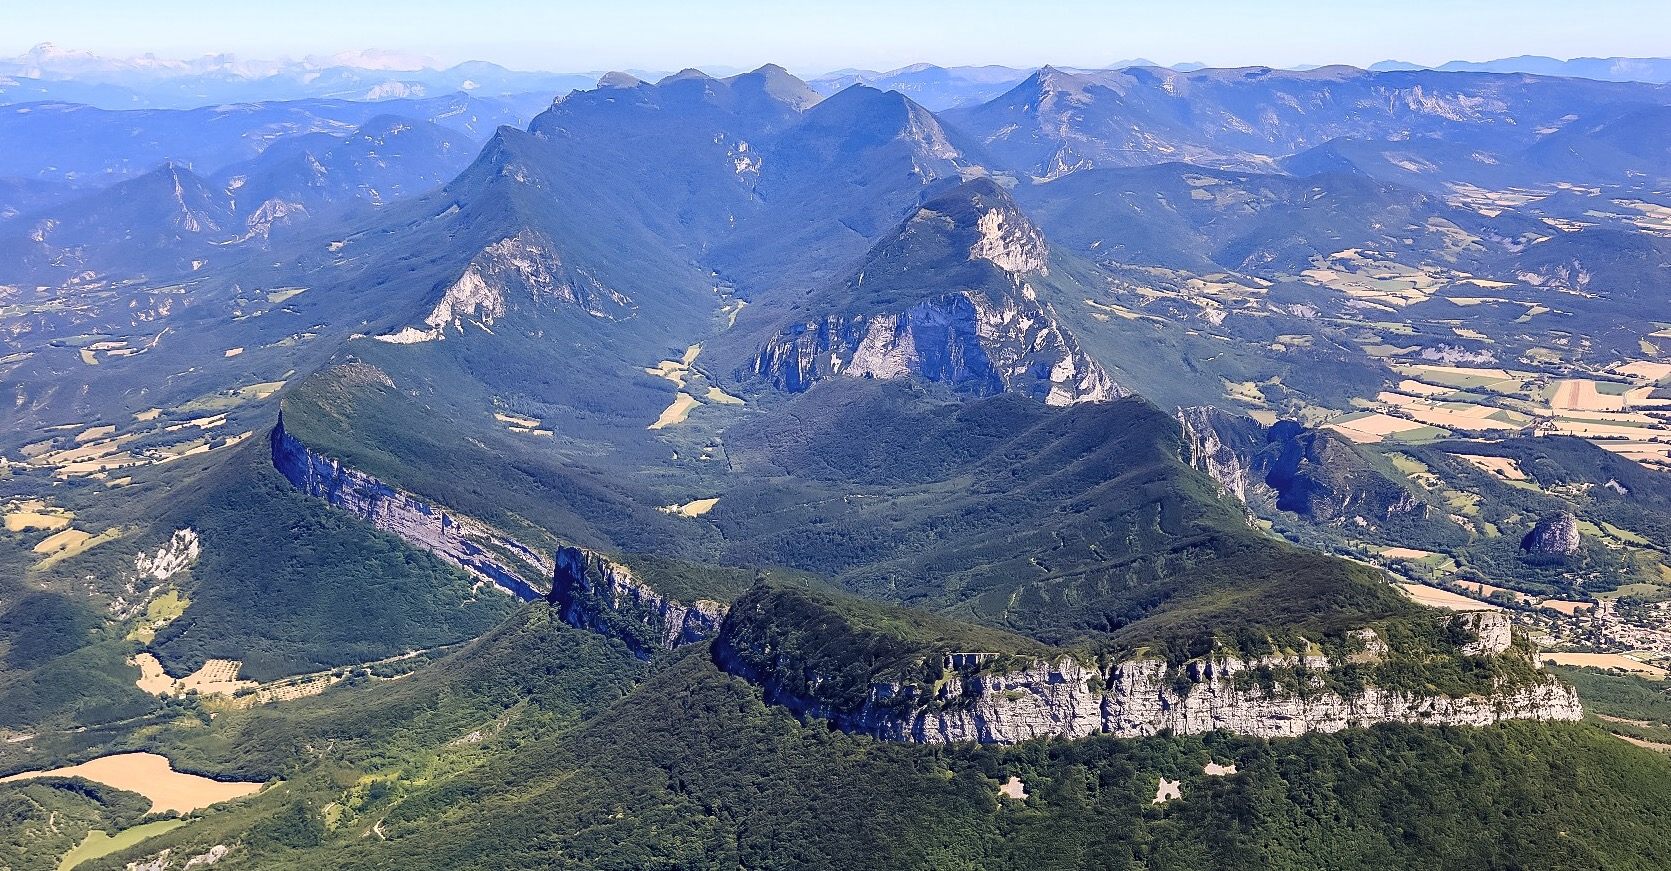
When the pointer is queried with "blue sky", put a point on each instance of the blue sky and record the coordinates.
(818, 36)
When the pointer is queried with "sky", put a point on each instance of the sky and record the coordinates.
(811, 37)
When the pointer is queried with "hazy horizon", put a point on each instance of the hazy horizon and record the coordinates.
(818, 38)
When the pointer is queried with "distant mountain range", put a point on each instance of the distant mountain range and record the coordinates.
(1654, 70)
(47, 72)
(694, 471)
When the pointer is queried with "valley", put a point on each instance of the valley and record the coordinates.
(1129, 468)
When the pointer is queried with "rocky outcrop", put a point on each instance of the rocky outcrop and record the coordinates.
(1136, 698)
(951, 297)
(1290, 467)
(1553, 536)
(1492, 632)
(180, 553)
(1070, 697)
(151, 571)
(967, 340)
(523, 267)
(1221, 444)
(464, 542)
(1010, 242)
(594, 593)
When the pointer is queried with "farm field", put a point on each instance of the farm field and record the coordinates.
(1434, 597)
(1605, 661)
(99, 844)
(1616, 410)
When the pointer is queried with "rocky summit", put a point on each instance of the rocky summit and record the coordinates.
(1149, 466)
(1555, 535)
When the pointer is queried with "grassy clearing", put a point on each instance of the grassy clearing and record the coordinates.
(693, 508)
(159, 612)
(1502, 467)
(97, 844)
(61, 541)
(675, 413)
(717, 395)
(78, 545)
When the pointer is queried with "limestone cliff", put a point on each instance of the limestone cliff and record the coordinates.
(1289, 467)
(521, 269)
(967, 340)
(595, 593)
(952, 297)
(1556, 536)
(996, 699)
(1067, 698)
(461, 541)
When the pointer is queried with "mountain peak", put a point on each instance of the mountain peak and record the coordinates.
(950, 297)
(1049, 79)
(777, 83)
(1001, 234)
(618, 79)
(686, 74)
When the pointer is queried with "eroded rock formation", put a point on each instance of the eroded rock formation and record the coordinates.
(1069, 697)
(1555, 535)
(595, 593)
(462, 541)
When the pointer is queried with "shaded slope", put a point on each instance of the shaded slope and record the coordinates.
(947, 298)
(156, 223)
(1053, 523)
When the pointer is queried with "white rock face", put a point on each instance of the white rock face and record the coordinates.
(521, 267)
(1211, 455)
(1013, 246)
(469, 297)
(164, 860)
(152, 570)
(1493, 629)
(972, 342)
(259, 224)
(1070, 698)
(1137, 698)
(462, 541)
(595, 593)
(180, 553)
